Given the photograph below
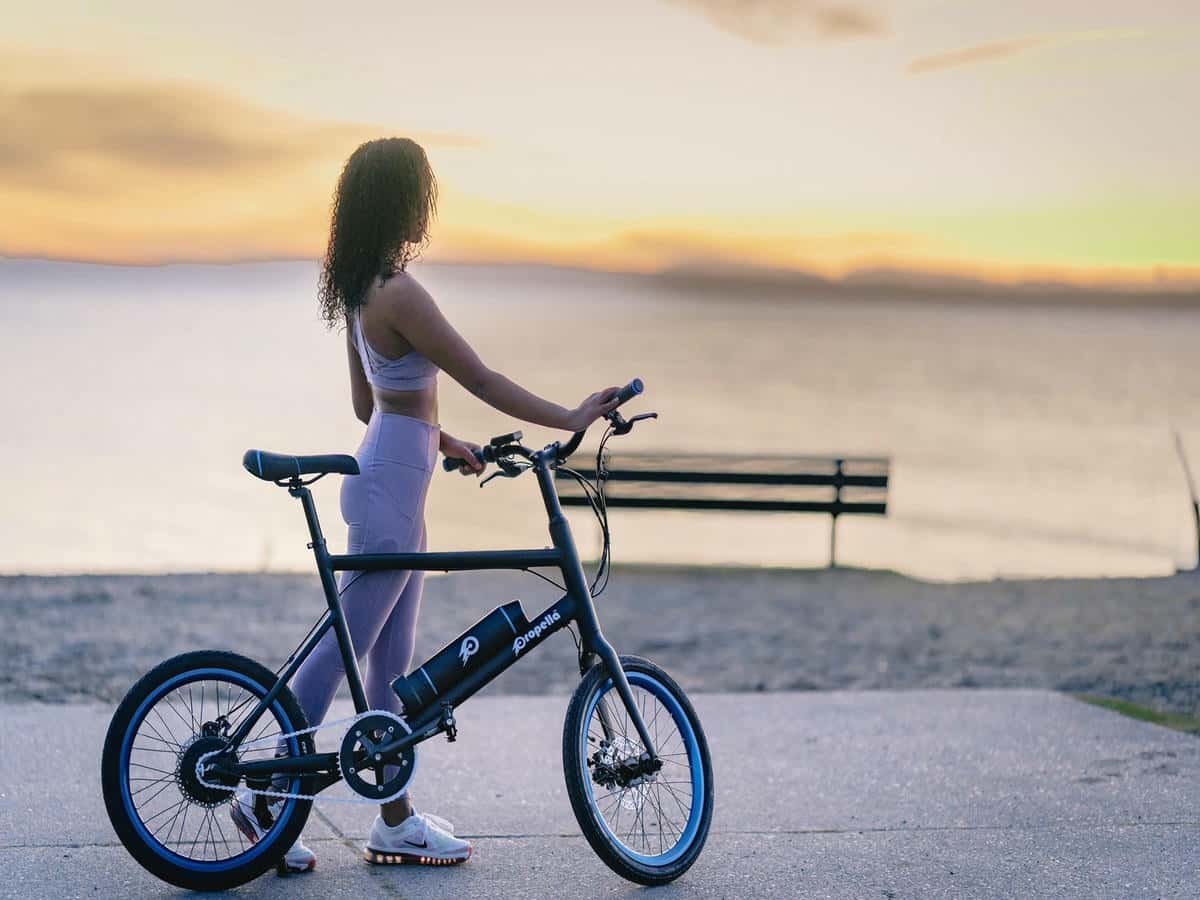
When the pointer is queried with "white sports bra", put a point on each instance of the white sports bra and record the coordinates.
(410, 372)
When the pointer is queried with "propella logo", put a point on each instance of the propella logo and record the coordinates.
(470, 646)
(535, 632)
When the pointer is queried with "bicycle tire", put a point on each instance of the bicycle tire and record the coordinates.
(155, 857)
(637, 867)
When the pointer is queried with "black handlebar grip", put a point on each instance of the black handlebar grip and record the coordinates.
(630, 391)
(453, 464)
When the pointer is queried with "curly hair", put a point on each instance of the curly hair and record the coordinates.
(385, 199)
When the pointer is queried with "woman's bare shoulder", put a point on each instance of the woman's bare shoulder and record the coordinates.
(402, 295)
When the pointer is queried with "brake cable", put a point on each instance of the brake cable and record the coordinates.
(597, 501)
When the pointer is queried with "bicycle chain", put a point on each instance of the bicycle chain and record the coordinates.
(274, 739)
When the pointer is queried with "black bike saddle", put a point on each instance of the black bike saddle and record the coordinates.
(274, 466)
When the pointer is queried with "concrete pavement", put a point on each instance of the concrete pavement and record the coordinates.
(916, 794)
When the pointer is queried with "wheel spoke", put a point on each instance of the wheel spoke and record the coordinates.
(263, 732)
(165, 809)
(192, 710)
(170, 823)
(659, 818)
(166, 842)
(619, 796)
(191, 729)
(171, 747)
(221, 829)
(183, 824)
(663, 819)
(152, 750)
(157, 735)
(166, 781)
(166, 727)
(637, 815)
(683, 809)
(151, 768)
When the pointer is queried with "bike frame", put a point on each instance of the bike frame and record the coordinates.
(574, 606)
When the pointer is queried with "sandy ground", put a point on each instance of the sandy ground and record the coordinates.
(90, 637)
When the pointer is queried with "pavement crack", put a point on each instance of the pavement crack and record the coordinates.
(353, 843)
(329, 823)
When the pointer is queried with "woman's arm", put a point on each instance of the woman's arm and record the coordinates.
(360, 389)
(422, 324)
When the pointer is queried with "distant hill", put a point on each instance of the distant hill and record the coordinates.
(716, 281)
(904, 284)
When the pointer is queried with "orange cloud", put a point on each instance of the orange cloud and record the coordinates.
(125, 171)
(975, 54)
(775, 22)
(996, 50)
(161, 128)
(829, 254)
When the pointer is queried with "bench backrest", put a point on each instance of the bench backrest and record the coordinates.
(832, 485)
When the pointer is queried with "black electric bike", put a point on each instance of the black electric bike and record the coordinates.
(204, 725)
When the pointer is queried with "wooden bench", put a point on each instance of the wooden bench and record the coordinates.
(835, 486)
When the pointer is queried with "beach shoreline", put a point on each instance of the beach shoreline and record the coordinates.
(89, 637)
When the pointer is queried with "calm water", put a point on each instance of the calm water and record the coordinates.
(1024, 440)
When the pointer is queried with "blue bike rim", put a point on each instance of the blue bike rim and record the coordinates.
(695, 763)
(184, 678)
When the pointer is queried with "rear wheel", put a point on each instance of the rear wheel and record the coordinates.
(647, 828)
(173, 824)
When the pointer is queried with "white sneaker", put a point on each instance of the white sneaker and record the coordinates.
(415, 840)
(439, 822)
(250, 823)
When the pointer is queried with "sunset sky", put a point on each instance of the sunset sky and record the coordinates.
(1023, 139)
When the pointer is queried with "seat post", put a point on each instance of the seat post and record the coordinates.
(297, 489)
(325, 568)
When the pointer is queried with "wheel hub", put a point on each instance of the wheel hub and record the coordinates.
(618, 764)
(189, 781)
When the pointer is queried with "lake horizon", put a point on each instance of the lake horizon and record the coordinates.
(1027, 439)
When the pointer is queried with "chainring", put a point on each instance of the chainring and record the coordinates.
(358, 757)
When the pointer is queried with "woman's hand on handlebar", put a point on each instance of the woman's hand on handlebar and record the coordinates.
(592, 408)
(464, 451)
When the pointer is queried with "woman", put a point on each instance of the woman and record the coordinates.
(396, 341)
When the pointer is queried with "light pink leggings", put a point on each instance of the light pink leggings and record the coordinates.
(384, 507)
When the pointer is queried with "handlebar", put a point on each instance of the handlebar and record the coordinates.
(630, 391)
(506, 444)
(489, 454)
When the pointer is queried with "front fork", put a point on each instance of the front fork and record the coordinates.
(611, 662)
(632, 769)
(587, 659)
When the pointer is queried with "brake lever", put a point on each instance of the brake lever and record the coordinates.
(621, 425)
(495, 474)
(504, 469)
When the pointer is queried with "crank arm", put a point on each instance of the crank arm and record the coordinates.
(392, 749)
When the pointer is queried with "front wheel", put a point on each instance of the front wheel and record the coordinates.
(647, 828)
